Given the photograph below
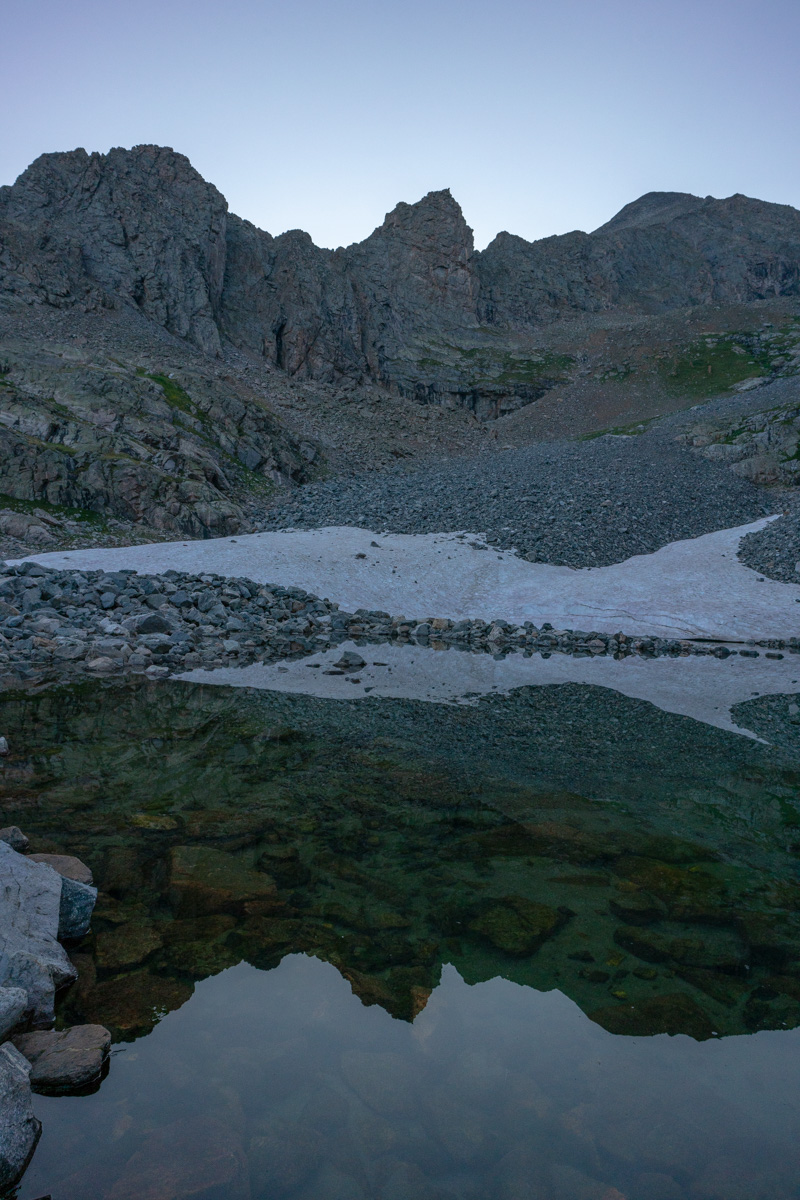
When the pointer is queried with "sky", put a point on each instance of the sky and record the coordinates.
(323, 114)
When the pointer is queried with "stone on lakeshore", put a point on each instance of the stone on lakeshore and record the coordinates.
(15, 838)
(3, 747)
(65, 1061)
(66, 865)
(13, 1003)
(101, 665)
(150, 622)
(19, 1128)
(30, 954)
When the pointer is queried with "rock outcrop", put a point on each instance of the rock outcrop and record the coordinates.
(31, 957)
(19, 1128)
(413, 307)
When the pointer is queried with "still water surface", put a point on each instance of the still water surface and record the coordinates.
(545, 946)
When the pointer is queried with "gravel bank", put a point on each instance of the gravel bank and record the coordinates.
(578, 504)
(65, 624)
(775, 550)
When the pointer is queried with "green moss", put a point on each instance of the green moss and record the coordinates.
(57, 510)
(176, 396)
(486, 366)
(716, 363)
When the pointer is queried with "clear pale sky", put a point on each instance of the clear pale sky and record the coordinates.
(323, 114)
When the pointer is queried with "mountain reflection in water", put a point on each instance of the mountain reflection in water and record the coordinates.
(567, 839)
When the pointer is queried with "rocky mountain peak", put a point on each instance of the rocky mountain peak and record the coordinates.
(654, 208)
(142, 228)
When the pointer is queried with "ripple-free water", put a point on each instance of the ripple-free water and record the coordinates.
(544, 945)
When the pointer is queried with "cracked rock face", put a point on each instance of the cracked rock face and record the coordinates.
(31, 957)
(19, 1128)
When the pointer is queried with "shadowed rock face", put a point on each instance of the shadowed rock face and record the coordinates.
(413, 307)
(139, 225)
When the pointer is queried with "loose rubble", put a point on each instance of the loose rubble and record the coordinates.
(70, 624)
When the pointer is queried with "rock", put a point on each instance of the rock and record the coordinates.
(385, 1081)
(151, 622)
(3, 748)
(126, 946)
(518, 926)
(283, 1157)
(102, 665)
(65, 1061)
(674, 1013)
(350, 661)
(194, 1157)
(76, 908)
(66, 865)
(205, 880)
(19, 1128)
(131, 1004)
(13, 1004)
(78, 897)
(30, 954)
(14, 837)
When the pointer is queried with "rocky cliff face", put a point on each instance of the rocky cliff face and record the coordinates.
(413, 307)
(666, 250)
(140, 226)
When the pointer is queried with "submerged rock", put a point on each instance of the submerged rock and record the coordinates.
(674, 1013)
(67, 866)
(14, 837)
(65, 1061)
(196, 1156)
(19, 1128)
(518, 926)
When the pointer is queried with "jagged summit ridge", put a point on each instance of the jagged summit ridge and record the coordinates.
(405, 307)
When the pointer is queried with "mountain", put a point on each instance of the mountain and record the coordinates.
(413, 308)
(166, 364)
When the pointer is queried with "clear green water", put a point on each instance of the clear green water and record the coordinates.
(543, 947)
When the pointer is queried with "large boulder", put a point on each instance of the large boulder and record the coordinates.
(19, 1128)
(30, 954)
(13, 1005)
(78, 897)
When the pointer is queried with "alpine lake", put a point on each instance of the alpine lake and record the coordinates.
(543, 946)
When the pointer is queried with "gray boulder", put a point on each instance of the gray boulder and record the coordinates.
(151, 622)
(13, 1003)
(76, 908)
(78, 897)
(19, 1128)
(31, 957)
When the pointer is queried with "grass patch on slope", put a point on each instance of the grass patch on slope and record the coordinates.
(716, 363)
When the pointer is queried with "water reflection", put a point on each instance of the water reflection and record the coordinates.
(273, 1084)
(580, 843)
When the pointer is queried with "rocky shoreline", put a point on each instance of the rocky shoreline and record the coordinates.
(46, 900)
(73, 624)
